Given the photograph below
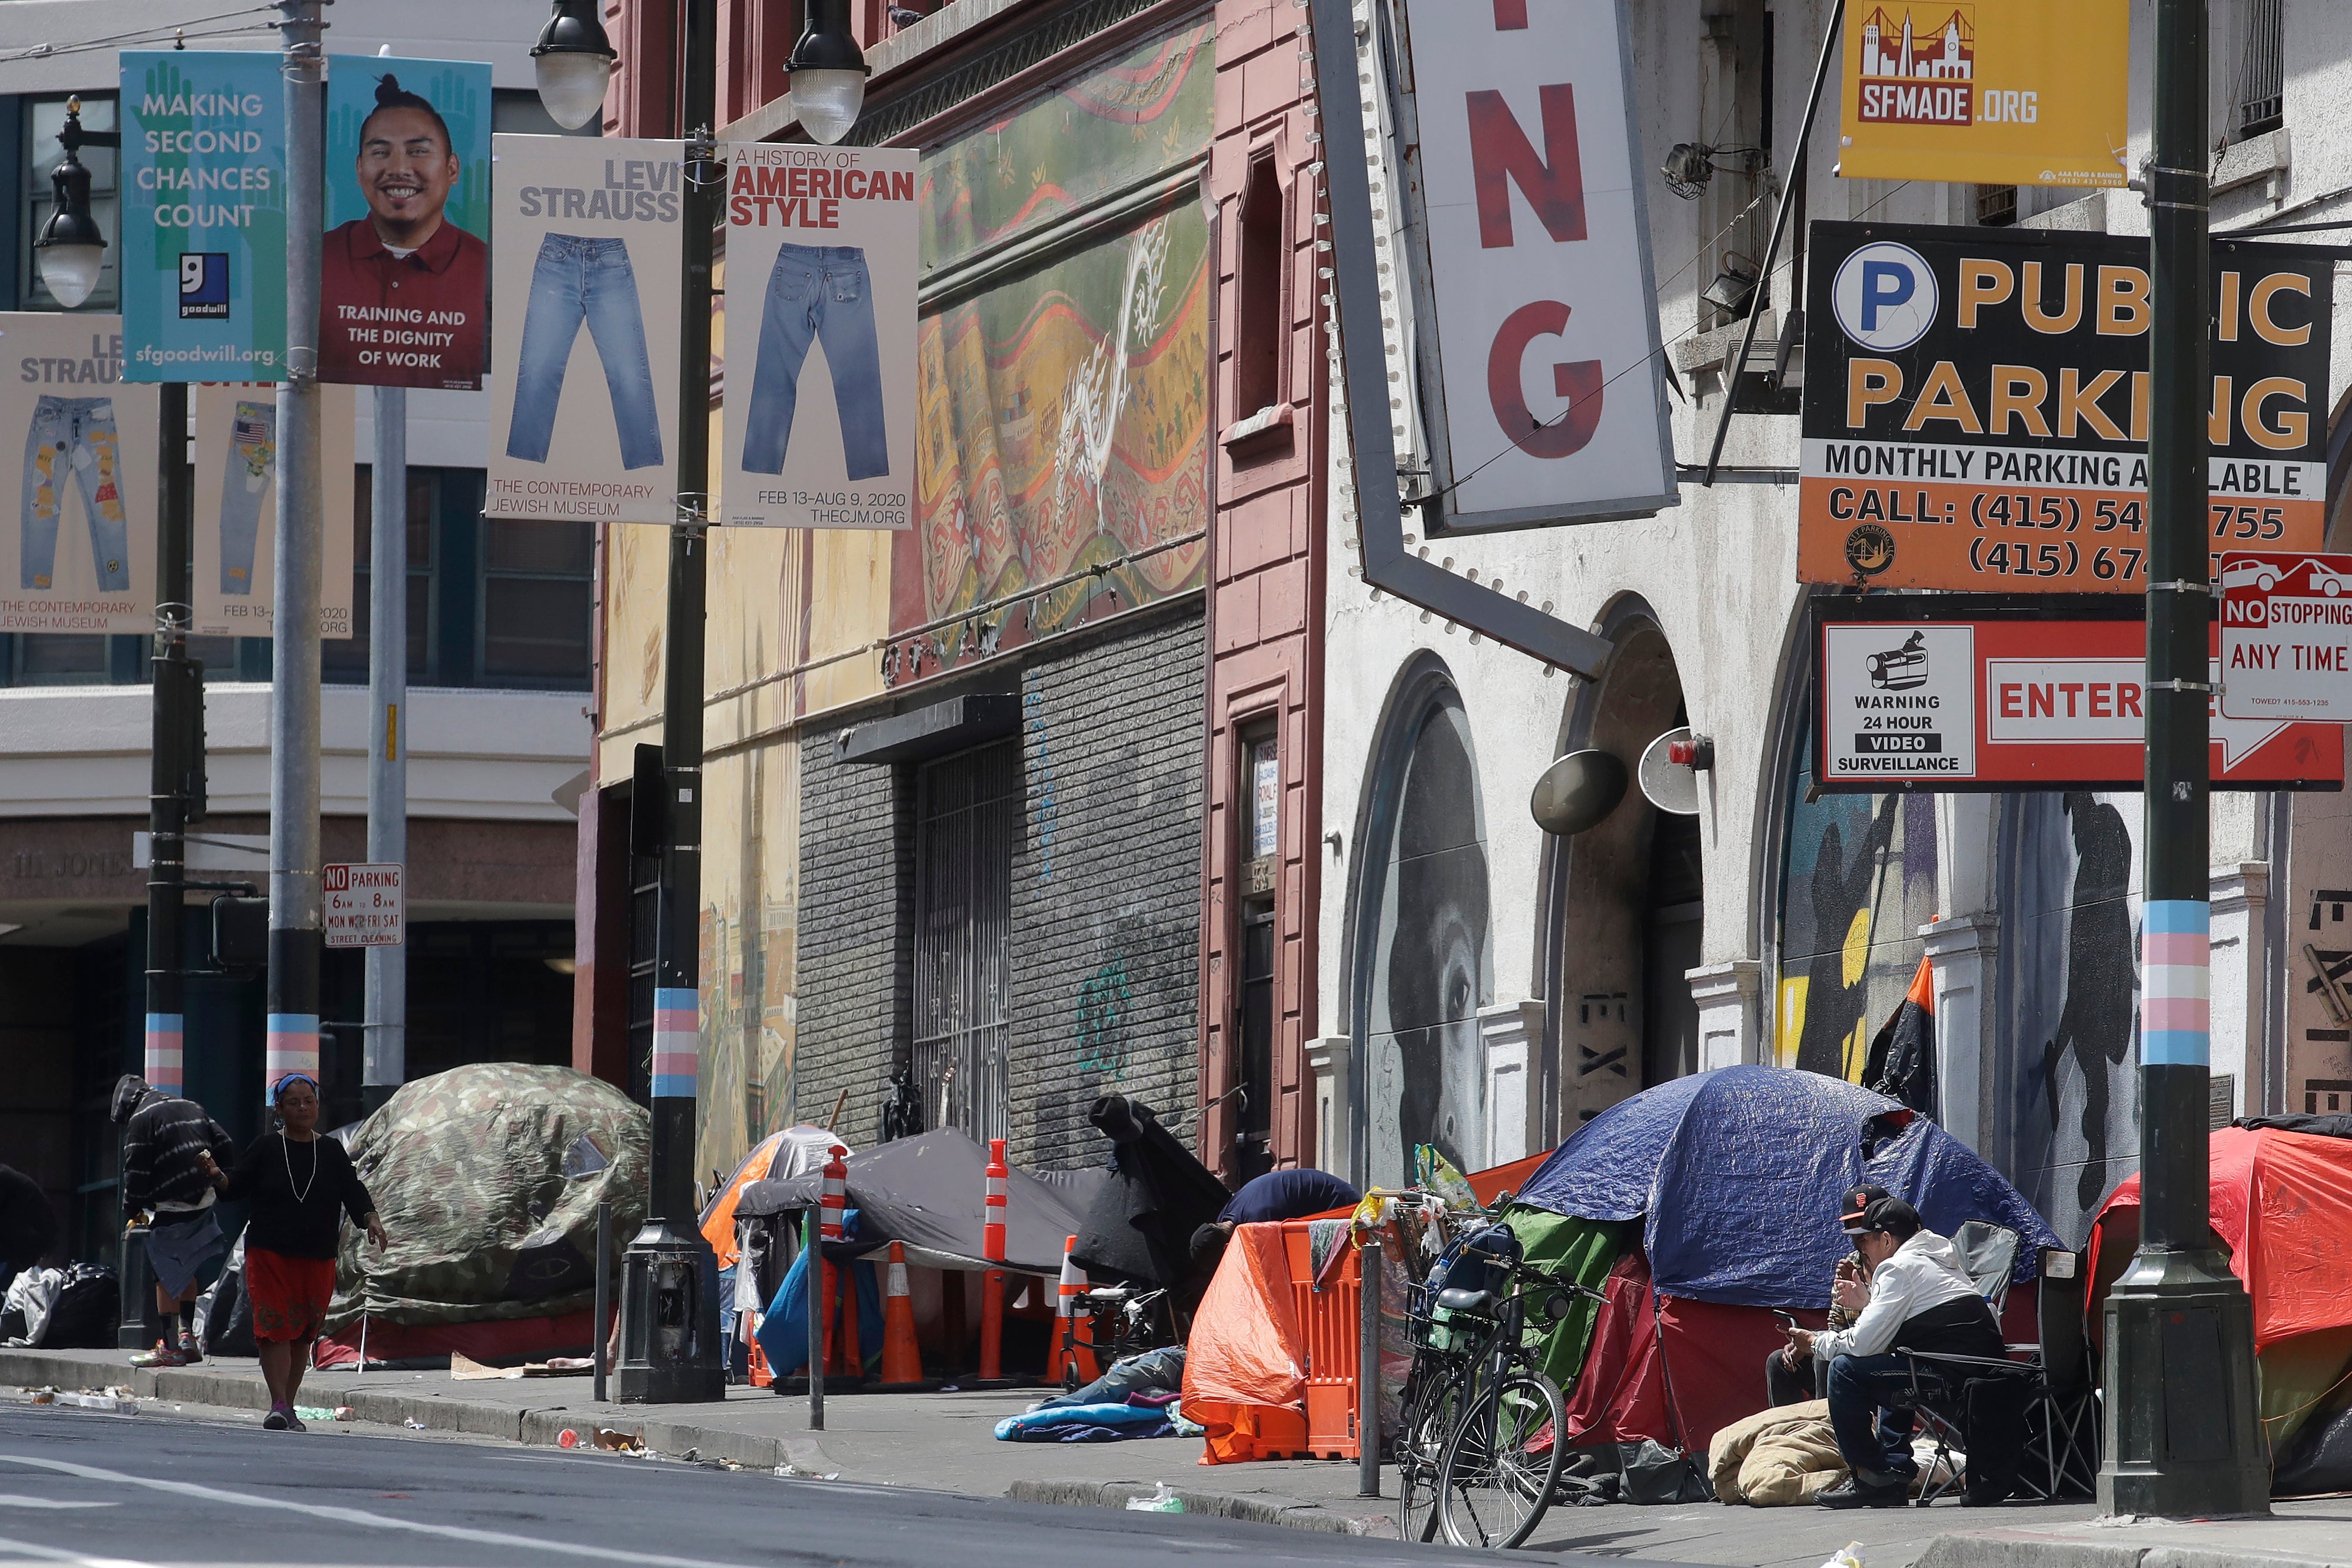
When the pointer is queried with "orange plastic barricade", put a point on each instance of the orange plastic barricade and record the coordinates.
(1329, 1323)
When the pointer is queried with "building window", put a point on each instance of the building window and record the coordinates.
(537, 587)
(1261, 868)
(43, 119)
(1257, 284)
(345, 660)
(1996, 206)
(967, 824)
(2261, 87)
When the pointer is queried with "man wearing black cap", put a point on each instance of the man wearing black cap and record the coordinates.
(1918, 1299)
(1792, 1379)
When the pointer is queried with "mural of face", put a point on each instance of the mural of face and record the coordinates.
(1433, 946)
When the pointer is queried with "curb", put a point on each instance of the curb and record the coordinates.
(1262, 1509)
(2021, 1550)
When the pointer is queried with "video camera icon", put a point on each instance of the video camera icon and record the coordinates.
(1900, 669)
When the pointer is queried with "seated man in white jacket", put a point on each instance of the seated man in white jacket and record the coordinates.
(1918, 1299)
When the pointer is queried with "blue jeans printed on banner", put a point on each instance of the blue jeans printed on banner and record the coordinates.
(581, 280)
(818, 293)
(77, 433)
(252, 447)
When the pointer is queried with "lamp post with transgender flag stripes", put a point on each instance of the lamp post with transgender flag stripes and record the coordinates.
(2180, 1439)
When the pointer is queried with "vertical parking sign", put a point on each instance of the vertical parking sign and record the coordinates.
(203, 216)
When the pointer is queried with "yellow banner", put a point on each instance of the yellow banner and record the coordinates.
(1994, 92)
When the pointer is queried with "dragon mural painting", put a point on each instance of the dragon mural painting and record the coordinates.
(1063, 380)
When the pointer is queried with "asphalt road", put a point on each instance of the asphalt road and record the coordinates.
(146, 1490)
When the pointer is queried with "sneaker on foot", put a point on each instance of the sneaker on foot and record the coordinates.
(161, 1355)
(279, 1419)
(294, 1422)
(190, 1352)
(1855, 1492)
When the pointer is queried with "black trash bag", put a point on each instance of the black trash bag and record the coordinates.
(1994, 1408)
(228, 1319)
(89, 1309)
(2319, 1459)
(1140, 1225)
(1654, 1473)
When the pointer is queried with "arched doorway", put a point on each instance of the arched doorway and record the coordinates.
(1626, 915)
(1421, 956)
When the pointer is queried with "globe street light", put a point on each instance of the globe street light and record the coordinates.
(828, 72)
(574, 61)
(71, 245)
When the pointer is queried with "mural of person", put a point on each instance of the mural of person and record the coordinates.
(1836, 1000)
(1432, 952)
(2095, 1021)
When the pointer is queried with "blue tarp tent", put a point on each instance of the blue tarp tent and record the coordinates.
(1735, 1174)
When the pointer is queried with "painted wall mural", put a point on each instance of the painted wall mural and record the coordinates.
(1430, 951)
(2319, 957)
(1858, 880)
(2067, 1084)
(1062, 414)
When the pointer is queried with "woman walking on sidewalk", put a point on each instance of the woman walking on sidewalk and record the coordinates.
(300, 1187)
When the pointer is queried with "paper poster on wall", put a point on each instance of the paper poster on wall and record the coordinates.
(404, 285)
(822, 242)
(82, 558)
(589, 261)
(204, 214)
(236, 445)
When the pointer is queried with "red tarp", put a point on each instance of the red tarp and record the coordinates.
(504, 1340)
(2283, 1204)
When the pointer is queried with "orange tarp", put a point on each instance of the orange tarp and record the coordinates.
(1243, 1377)
(719, 1228)
(2282, 1203)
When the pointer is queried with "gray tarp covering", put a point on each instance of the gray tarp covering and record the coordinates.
(489, 1177)
(930, 1192)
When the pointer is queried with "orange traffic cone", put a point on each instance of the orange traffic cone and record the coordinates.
(1076, 1327)
(902, 1357)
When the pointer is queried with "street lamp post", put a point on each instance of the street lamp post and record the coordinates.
(669, 1306)
(2180, 1437)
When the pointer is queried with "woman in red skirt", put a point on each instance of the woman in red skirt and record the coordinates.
(300, 1186)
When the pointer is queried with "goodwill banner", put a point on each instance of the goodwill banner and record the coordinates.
(83, 508)
(1997, 92)
(590, 266)
(820, 250)
(236, 445)
(1976, 406)
(404, 288)
(204, 214)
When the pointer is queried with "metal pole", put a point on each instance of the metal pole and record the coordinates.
(293, 1004)
(2180, 1432)
(387, 967)
(669, 1255)
(167, 799)
(1368, 1367)
(604, 1328)
(813, 1271)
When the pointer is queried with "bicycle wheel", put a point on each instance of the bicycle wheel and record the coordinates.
(1502, 1463)
(1421, 1450)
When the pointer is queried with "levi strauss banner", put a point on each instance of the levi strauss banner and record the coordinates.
(236, 465)
(84, 501)
(588, 267)
(821, 255)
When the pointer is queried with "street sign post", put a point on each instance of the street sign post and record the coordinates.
(2287, 637)
(1969, 698)
(365, 905)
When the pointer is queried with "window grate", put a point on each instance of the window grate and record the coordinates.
(2261, 85)
(967, 822)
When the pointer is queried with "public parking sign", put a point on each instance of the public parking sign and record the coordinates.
(363, 905)
(2287, 637)
(1978, 699)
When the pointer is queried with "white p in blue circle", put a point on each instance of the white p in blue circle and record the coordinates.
(1884, 296)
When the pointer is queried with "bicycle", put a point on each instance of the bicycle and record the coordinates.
(1481, 1451)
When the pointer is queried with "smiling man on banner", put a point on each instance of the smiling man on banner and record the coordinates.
(406, 295)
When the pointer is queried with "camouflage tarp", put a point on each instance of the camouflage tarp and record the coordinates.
(487, 1178)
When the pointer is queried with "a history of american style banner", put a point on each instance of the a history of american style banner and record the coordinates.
(589, 266)
(820, 251)
(204, 214)
(82, 515)
(404, 285)
(1976, 406)
(236, 452)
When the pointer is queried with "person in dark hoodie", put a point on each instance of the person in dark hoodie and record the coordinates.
(301, 1185)
(164, 1138)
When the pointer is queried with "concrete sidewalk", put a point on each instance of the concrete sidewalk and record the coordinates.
(943, 1442)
